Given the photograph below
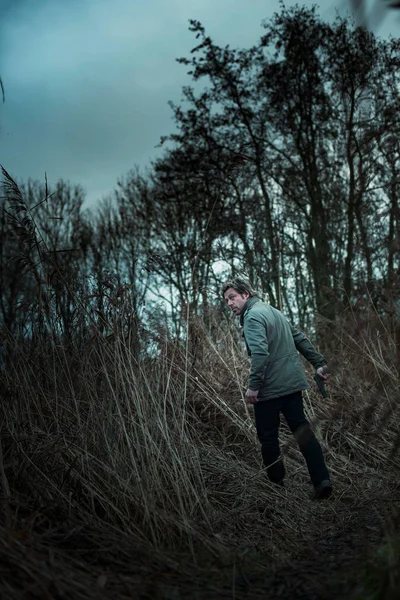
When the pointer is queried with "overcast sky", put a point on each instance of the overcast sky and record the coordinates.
(87, 81)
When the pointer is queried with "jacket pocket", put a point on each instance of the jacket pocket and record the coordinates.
(284, 375)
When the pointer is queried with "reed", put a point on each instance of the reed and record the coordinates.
(129, 474)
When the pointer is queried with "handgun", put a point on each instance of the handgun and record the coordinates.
(320, 381)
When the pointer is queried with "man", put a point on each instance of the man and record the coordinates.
(276, 380)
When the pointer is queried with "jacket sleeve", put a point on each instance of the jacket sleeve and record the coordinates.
(257, 346)
(305, 347)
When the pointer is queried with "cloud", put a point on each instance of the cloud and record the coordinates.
(88, 81)
(87, 91)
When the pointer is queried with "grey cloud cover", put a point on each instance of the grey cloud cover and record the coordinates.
(87, 82)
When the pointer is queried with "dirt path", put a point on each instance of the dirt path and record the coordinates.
(53, 563)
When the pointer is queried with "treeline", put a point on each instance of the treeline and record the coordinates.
(284, 165)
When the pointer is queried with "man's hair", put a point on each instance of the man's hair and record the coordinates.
(239, 284)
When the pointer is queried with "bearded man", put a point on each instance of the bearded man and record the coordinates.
(276, 381)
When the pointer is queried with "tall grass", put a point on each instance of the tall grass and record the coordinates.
(167, 455)
(131, 459)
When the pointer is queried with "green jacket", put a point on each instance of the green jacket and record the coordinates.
(273, 345)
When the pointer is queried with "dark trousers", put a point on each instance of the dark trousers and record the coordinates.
(267, 416)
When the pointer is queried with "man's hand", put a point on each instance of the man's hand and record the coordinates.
(251, 396)
(323, 372)
(320, 377)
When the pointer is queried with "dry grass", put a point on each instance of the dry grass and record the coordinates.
(126, 476)
(140, 476)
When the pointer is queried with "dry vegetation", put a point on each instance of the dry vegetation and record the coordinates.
(137, 477)
(129, 463)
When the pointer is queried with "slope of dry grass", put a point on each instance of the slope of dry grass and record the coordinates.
(126, 477)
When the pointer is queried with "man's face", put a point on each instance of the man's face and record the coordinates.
(235, 301)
